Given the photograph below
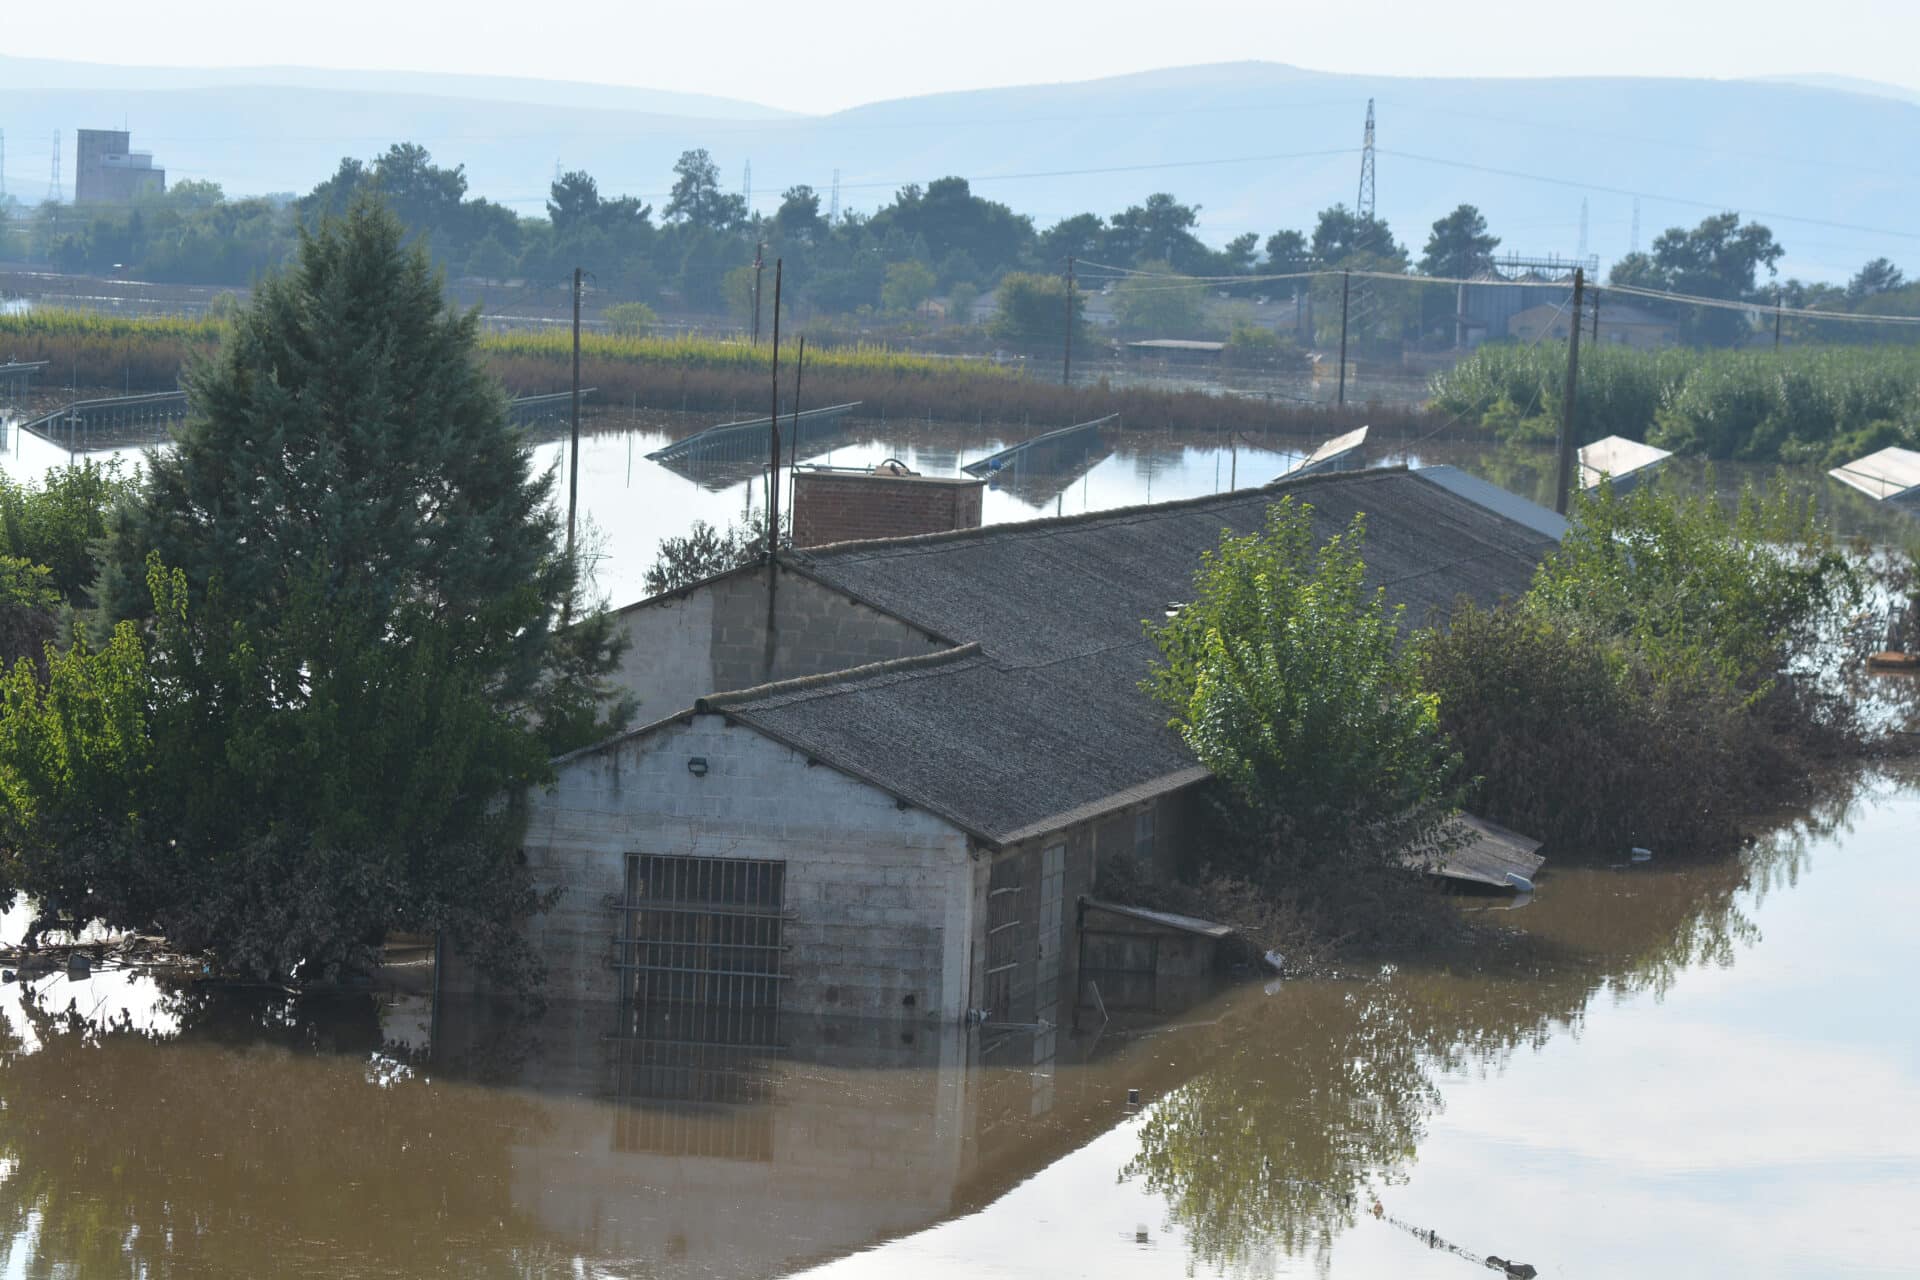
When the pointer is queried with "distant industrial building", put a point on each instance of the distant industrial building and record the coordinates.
(109, 171)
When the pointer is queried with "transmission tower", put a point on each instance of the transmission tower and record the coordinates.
(53, 186)
(833, 204)
(1633, 245)
(1582, 254)
(746, 187)
(1365, 209)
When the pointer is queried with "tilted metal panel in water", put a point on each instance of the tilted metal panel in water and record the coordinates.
(1342, 453)
(112, 411)
(1890, 475)
(734, 441)
(547, 407)
(1622, 461)
(1081, 434)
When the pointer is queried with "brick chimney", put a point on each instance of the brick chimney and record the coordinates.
(844, 504)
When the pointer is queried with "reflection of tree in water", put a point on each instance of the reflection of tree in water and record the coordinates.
(276, 1142)
(1323, 1089)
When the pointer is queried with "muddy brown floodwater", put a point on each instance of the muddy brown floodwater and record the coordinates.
(1673, 1067)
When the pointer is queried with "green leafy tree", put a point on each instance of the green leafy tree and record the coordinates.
(1696, 585)
(60, 522)
(908, 284)
(1286, 677)
(1876, 277)
(697, 198)
(798, 217)
(355, 659)
(947, 218)
(1343, 238)
(1030, 313)
(1159, 303)
(1720, 258)
(1459, 246)
(631, 319)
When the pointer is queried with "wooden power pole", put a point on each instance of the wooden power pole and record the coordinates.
(1346, 289)
(1564, 474)
(1066, 364)
(573, 447)
(758, 249)
(773, 426)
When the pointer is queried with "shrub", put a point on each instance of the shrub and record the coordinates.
(631, 319)
(1692, 584)
(1287, 679)
(1568, 738)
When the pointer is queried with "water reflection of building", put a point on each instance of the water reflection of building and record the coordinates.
(685, 1153)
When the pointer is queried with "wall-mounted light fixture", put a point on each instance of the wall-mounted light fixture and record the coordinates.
(697, 766)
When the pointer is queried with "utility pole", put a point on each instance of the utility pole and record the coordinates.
(1595, 335)
(773, 426)
(1563, 478)
(573, 451)
(759, 248)
(1066, 365)
(1776, 319)
(793, 445)
(1346, 283)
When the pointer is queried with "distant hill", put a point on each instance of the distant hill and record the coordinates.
(1259, 146)
(47, 73)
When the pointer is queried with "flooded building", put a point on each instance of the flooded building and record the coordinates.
(879, 778)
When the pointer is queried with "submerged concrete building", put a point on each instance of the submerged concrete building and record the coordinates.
(881, 778)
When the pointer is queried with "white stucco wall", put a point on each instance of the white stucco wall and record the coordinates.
(882, 897)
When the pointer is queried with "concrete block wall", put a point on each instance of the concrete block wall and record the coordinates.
(714, 638)
(854, 506)
(881, 896)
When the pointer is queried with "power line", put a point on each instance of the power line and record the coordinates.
(1579, 184)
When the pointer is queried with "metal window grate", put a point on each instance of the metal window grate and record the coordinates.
(1003, 936)
(701, 932)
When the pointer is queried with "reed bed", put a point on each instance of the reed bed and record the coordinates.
(713, 376)
(1802, 404)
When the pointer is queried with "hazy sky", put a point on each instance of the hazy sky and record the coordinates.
(843, 52)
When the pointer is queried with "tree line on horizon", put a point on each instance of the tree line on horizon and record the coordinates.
(695, 254)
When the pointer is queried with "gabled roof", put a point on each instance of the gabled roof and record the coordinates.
(1039, 722)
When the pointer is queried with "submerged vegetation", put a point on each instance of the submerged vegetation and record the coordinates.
(1659, 682)
(712, 375)
(1825, 405)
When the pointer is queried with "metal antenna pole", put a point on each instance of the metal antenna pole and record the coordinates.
(1365, 204)
(1564, 477)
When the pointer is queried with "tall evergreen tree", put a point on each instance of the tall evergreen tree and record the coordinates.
(352, 592)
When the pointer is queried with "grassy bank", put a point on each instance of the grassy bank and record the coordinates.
(1810, 404)
(708, 375)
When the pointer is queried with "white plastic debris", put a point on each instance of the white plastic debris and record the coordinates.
(1642, 855)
